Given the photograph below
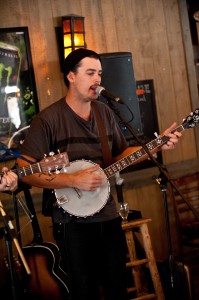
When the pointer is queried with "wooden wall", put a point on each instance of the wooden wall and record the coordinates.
(152, 32)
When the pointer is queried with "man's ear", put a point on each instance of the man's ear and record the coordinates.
(70, 76)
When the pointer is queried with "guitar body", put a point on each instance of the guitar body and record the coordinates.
(82, 203)
(47, 279)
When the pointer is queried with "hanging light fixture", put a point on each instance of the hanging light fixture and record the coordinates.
(73, 33)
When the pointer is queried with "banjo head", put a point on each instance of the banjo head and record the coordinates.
(82, 203)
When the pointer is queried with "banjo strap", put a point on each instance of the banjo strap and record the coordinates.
(106, 153)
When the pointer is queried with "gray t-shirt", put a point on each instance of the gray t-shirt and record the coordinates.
(58, 127)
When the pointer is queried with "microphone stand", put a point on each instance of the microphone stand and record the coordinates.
(11, 235)
(162, 185)
(118, 185)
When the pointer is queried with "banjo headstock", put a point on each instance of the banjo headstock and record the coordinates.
(191, 120)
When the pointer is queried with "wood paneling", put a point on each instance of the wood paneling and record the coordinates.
(152, 31)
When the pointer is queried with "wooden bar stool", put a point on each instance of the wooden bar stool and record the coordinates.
(141, 225)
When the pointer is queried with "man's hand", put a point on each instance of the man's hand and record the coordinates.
(89, 179)
(174, 137)
(8, 181)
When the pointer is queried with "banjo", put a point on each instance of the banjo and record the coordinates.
(82, 203)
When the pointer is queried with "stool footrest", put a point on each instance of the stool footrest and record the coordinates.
(137, 262)
(131, 289)
(146, 297)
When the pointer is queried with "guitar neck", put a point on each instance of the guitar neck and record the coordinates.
(48, 164)
(27, 170)
(138, 154)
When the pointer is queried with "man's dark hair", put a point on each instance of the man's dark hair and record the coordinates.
(71, 62)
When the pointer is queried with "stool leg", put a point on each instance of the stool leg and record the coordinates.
(151, 262)
(133, 257)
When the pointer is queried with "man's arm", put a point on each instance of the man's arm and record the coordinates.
(169, 145)
(83, 179)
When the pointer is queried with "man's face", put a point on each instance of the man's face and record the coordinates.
(87, 78)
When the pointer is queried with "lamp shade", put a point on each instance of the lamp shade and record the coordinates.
(73, 33)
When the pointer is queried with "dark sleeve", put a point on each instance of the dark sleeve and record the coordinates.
(38, 140)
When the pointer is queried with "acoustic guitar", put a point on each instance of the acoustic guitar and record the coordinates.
(82, 203)
(47, 280)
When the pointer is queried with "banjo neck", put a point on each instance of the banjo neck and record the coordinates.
(138, 154)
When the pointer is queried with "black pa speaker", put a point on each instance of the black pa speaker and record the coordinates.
(118, 79)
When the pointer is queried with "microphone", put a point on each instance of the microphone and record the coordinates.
(101, 91)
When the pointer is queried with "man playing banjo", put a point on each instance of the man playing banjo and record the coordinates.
(92, 246)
